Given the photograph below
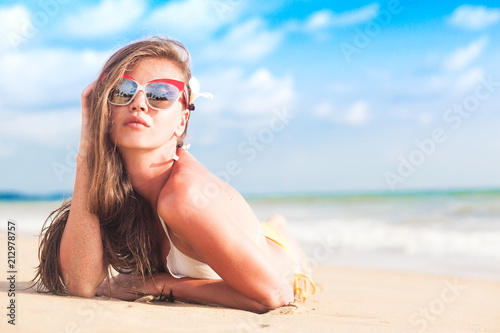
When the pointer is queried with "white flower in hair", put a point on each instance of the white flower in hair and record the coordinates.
(195, 90)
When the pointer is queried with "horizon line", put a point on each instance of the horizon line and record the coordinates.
(62, 195)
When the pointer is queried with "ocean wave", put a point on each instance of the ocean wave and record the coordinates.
(370, 235)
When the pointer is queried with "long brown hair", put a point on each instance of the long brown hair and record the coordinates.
(126, 219)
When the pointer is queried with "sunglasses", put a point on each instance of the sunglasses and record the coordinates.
(161, 94)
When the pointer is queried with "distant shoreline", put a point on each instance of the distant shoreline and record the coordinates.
(374, 194)
(12, 196)
(19, 196)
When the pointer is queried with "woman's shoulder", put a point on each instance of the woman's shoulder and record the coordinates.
(184, 189)
(187, 173)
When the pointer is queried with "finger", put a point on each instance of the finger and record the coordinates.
(102, 290)
(86, 94)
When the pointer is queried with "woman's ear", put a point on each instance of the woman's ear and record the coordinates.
(181, 125)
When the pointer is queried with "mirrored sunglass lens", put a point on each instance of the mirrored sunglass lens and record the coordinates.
(161, 95)
(124, 92)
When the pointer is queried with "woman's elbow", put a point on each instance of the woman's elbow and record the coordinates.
(81, 290)
(82, 286)
(276, 298)
(79, 284)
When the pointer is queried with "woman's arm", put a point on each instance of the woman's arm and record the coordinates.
(208, 292)
(214, 234)
(81, 250)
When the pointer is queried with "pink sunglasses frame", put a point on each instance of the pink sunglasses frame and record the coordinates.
(181, 86)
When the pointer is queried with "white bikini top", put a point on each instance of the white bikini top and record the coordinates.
(180, 265)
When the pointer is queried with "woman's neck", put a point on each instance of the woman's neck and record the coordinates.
(149, 170)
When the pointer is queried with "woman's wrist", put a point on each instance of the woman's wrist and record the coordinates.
(82, 156)
(84, 149)
(157, 286)
(162, 286)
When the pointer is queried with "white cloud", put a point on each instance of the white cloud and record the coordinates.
(242, 102)
(357, 113)
(319, 19)
(249, 41)
(52, 129)
(326, 18)
(354, 114)
(255, 94)
(105, 18)
(424, 118)
(343, 88)
(462, 57)
(193, 19)
(46, 77)
(14, 22)
(263, 91)
(323, 110)
(474, 17)
(467, 81)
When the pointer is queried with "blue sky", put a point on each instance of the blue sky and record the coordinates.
(310, 96)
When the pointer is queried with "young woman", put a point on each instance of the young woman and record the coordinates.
(138, 203)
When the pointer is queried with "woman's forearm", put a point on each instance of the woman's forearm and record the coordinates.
(81, 250)
(214, 292)
(210, 292)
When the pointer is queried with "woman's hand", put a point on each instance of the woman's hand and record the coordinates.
(85, 138)
(123, 286)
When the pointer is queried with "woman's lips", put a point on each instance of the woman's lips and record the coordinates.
(135, 125)
(136, 122)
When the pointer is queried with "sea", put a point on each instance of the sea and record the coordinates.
(454, 233)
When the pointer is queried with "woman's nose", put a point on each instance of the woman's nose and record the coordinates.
(139, 102)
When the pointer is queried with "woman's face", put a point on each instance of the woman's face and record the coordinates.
(138, 126)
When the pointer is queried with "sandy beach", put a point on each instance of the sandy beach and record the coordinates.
(349, 300)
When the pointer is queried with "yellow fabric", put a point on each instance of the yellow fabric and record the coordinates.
(300, 288)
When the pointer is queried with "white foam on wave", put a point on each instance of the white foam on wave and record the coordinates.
(29, 216)
(372, 235)
(379, 245)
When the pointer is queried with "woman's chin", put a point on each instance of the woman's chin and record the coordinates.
(138, 145)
